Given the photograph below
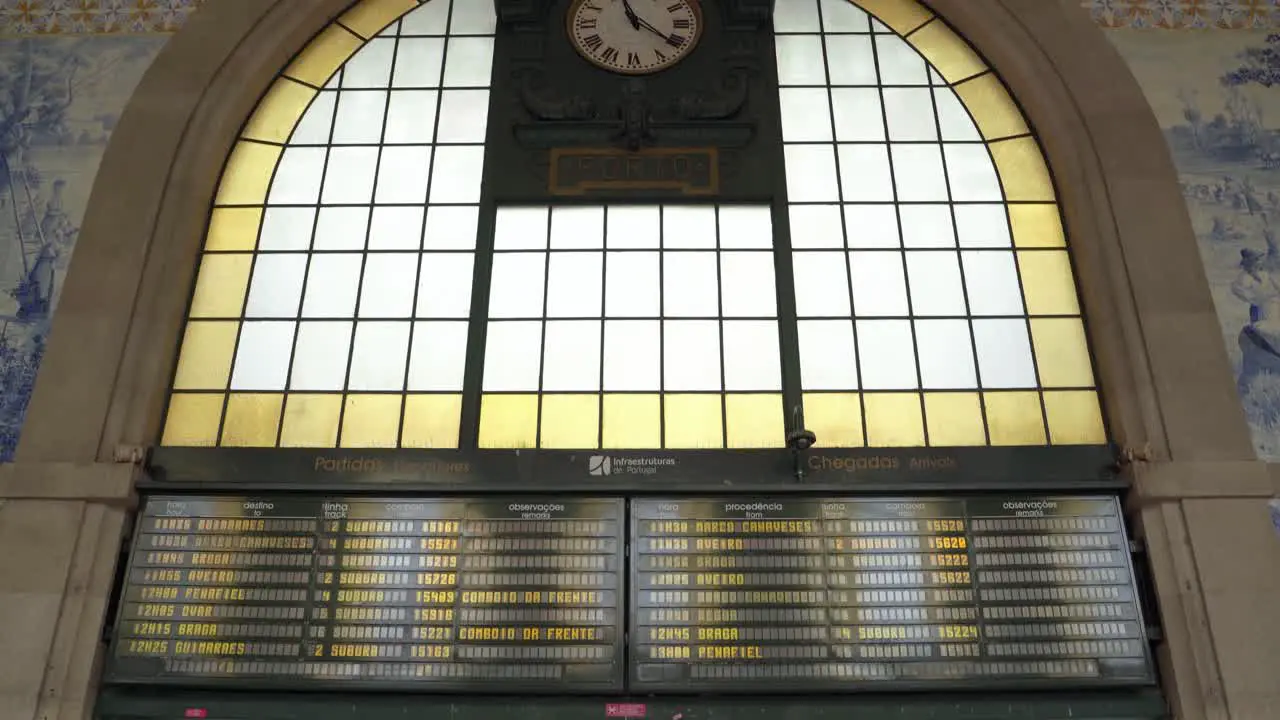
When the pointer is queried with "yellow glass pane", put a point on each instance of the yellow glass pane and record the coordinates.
(1014, 418)
(633, 421)
(253, 420)
(508, 421)
(205, 360)
(1022, 170)
(755, 421)
(836, 418)
(192, 420)
(1036, 225)
(431, 421)
(994, 111)
(369, 17)
(279, 111)
(247, 175)
(221, 285)
(894, 420)
(317, 63)
(901, 15)
(233, 229)
(370, 421)
(1074, 418)
(1062, 352)
(693, 421)
(954, 419)
(311, 421)
(1048, 283)
(947, 52)
(570, 422)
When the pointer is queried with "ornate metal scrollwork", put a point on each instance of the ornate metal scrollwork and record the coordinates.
(543, 104)
(721, 104)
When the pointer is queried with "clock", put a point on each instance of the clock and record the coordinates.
(634, 37)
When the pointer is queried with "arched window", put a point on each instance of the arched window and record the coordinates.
(334, 303)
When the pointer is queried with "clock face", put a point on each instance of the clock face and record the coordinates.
(635, 37)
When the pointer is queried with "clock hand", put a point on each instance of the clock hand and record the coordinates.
(631, 15)
(645, 24)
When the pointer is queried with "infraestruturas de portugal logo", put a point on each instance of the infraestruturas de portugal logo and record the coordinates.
(602, 465)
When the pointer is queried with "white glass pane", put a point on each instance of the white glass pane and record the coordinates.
(953, 117)
(631, 287)
(297, 178)
(455, 176)
(872, 226)
(396, 228)
(444, 285)
(277, 285)
(262, 357)
(936, 288)
(411, 117)
(632, 358)
(910, 114)
(811, 173)
(691, 355)
(828, 360)
(464, 116)
(577, 227)
(795, 16)
(946, 355)
(858, 115)
(636, 226)
(468, 62)
(935, 78)
(816, 226)
(520, 228)
(419, 63)
(335, 81)
(391, 30)
(388, 285)
(689, 285)
(746, 284)
(972, 174)
(472, 18)
(403, 173)
(917, 171)
(333, 281)
(359, 118)
(879, 287)
(1004, 354)
(287, 228)
(844, 16)
(900, 64)
(571, 356)
(927, 226)
(822, 284)
(982, 226)
(887, 360)
(850, 60)
(746, 227)
(320, 357)
(379, 356)
(370, 66)
(992, 279)
(439, 356)
(313, 128)
(688, 226)
(431, 18)
(751, 358)
(512, 356)
(349, 177)
(574, 284)
(342, 228)
(806, 114)
(877, 26)
(451, 228)
(516, 285)
(800, 60)
(864, 173)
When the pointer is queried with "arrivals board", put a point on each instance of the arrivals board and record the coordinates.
(492, 594)
(810, 595)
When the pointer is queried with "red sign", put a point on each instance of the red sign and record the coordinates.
(195, 713)
(625, 710)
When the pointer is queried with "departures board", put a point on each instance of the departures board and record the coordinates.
(806, 595)
(449, 594)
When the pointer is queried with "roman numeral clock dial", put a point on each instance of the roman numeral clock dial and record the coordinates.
(634, 37)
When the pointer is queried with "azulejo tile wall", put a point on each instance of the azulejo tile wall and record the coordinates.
(1184, 14)
(64, 17)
